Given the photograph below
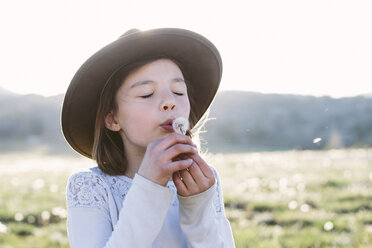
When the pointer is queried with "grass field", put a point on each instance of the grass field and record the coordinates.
(273, 199)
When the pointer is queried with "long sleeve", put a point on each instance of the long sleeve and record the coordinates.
(203, 219)
(140, 220)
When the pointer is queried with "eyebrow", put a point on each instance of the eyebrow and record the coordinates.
(143, 82)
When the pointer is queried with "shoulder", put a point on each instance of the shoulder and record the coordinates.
(84, 179)
(86, 189)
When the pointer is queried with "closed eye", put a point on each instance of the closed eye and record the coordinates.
(147, 96)
(178, 94)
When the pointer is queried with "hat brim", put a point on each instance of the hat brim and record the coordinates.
(198, 57)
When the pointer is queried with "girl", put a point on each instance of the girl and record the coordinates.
(151, 187)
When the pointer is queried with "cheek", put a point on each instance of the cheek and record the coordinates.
(133, 115)
(186, 106)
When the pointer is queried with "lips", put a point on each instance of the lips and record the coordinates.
(167, 125)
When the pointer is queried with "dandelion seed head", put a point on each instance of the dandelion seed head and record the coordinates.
(3, 228)
(45, 215)
(31, 219)
(369, 228)
(180, 125)
(292, 205)
(60, 212)
(328, 226)
(18, 217)
(305, 208)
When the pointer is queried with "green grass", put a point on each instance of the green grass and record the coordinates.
(272, 199)
(298, 198)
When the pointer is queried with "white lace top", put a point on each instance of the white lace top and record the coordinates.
(117, 211)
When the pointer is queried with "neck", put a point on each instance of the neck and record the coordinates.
(134, 158)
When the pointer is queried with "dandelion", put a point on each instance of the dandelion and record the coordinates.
(343, 240)
(31, 219)
(305, 208)
(369, 228)
(18, 217)
(180, 125)
(3, 228)
(328, 226)
(45, 215)
(292, 205)
(60, 212)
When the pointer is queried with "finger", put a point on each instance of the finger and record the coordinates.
(204, 167)
(178, 165)
(177, 150)
(172, 139)
(189, 181)
(180, 185)
(197, 174)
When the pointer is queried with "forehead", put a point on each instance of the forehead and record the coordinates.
(160, 69)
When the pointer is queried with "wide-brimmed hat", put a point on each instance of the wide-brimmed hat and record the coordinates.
(198, 57)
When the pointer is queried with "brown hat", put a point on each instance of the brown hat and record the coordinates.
(199, 59)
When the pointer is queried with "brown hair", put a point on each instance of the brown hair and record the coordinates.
(108, 149)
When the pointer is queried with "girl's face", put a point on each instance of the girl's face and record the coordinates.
(148, 97)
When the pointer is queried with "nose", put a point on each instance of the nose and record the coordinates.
(169, 107)
(168, 103)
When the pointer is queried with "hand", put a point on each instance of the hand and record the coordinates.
(196, 178)
(162, 158)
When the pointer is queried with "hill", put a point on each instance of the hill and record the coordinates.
(241, 121)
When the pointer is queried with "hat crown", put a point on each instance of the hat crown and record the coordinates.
(129, 32)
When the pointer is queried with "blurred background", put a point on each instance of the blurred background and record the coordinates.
(290, 130)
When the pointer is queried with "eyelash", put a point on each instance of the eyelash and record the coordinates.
(147, 96)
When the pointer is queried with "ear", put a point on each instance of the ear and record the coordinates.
(111, 123)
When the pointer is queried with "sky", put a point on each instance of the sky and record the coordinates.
(317, 47)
